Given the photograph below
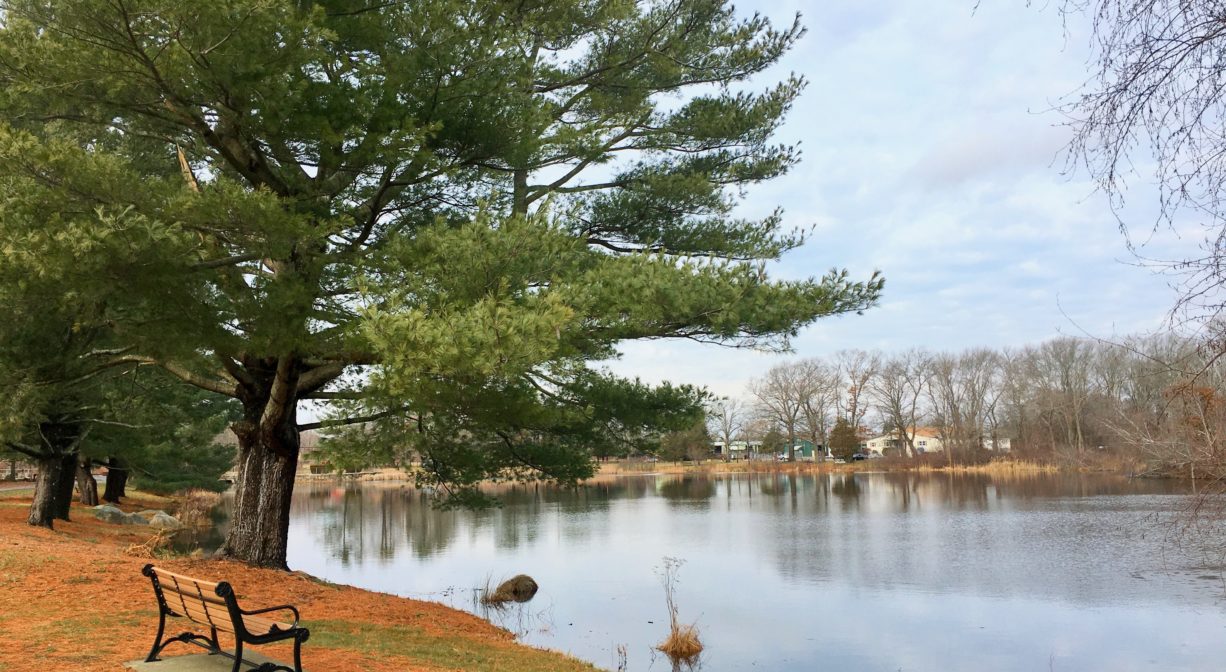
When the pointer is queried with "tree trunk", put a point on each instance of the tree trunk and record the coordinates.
(116, 481)
(63, 485)
(42, 509)
(86, 485)
(12, 470)
(267, 462)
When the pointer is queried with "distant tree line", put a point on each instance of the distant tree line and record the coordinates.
(1157, 399)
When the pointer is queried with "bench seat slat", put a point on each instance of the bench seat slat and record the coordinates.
(221, 620)
(186, 585)
(215, 617)
(262, 626)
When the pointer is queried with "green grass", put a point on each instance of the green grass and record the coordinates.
(443, 651)
(13, 567)
(91, 633)
(86, 632)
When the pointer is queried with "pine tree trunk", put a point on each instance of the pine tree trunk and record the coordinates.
(65, 479)
(267, 462)
(12, 470)
(43, 508)
(87, 487)
(116, 481)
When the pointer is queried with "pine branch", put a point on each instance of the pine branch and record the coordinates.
(357, 420)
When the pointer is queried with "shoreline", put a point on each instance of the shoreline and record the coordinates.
(74, 598)
(605, 470)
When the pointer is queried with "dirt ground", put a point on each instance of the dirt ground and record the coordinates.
(74, 599)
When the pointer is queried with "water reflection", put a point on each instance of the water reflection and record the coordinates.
(955, 571)
(687, 490)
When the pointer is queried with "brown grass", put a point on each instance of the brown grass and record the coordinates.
(46, 576)
(149, 548)
(997, 467)
(682, 644)
(1001, 466)
(196, 508)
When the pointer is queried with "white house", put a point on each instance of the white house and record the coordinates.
(998, 445)
(927, 440)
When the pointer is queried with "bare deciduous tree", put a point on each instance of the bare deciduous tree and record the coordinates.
(1156, 105)
(818, 403)
(857, 367)
(964, 390)
(898, 390)
(778, 396)
(726, 418)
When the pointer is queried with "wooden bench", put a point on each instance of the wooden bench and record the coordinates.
(214, 606)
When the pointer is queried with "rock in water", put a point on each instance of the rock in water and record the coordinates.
(519, 588)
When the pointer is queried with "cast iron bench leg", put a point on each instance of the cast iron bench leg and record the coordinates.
(157, 641)
(238, 655)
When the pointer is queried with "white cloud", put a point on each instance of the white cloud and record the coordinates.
(931, 152)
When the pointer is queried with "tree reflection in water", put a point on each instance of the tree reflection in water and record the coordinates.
(835, 547)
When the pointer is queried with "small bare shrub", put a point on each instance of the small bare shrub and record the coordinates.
(149, 549)
(196, 508)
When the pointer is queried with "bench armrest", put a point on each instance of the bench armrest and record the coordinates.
(283, 607)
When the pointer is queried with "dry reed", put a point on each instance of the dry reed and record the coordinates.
(196, 508)
(682, 643)
(150, 548)
(998, 467)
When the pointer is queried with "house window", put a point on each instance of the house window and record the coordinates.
(923, 443)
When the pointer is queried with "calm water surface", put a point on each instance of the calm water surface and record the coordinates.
(838, 572)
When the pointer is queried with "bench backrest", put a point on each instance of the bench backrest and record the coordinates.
(202, 601)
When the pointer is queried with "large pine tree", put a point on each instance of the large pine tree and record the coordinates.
(436, 213)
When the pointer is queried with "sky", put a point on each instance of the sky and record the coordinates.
(932, 151)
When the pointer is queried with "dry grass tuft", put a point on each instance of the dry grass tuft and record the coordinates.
(150, 548)
(196, 508)
(682, 644)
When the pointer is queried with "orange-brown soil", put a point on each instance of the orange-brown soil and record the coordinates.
(74, 599)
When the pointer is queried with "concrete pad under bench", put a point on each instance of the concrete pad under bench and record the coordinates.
(200, 662)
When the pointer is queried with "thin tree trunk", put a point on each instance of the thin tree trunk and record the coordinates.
(116, 481)
(12, 470)
(87, 487)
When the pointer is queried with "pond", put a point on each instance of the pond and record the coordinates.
(885, 571)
